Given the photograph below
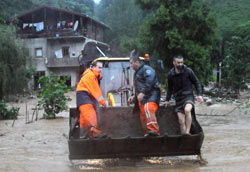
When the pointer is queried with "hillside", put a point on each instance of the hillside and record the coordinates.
(230, 14)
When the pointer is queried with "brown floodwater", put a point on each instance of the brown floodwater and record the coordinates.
(42, 146)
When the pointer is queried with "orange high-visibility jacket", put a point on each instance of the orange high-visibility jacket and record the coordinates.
(89, 83)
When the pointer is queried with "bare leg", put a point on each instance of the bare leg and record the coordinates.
(181, 119)
(188, 115)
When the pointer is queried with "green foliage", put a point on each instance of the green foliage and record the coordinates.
(6, 113)
(102, 9)
(230, 14)
(124, 17)
(233, 20)
(13, 58)
(180, 27)
(81, 6)
(10, 8)
(52, 95)
(243, 30)
(236, 69)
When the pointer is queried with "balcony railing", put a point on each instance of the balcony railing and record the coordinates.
(62, 62)
(55, 33)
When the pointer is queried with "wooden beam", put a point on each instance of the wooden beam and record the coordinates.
(45, 19)
(32, 21)
(81, 24)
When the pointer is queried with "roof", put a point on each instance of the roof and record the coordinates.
(61, 10)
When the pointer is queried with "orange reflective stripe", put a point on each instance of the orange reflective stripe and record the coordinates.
(148, 118)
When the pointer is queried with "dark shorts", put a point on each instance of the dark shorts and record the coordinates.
(180, 105)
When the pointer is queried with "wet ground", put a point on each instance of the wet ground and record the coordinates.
(42, 145)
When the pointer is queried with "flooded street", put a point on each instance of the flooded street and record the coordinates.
(42, 146)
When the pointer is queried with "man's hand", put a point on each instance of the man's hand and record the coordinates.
(131, 99)
(104, 106)
(166, 103)
(200, 99)
(140, 96)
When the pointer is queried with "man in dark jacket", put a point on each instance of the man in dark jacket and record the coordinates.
(180, 81)
(146, 94)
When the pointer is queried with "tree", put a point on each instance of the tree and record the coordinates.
(237, 63)
(52, 95)
(230, 14)
(14, 75)
(9, 8)
(180, 27)
(101, 9)
(233, 20)
(124, 17)
(89, 4)
(243, 30)
(80, 6)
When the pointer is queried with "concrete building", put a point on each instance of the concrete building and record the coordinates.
(56, 37)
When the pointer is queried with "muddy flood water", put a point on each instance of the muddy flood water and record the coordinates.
(41, 146)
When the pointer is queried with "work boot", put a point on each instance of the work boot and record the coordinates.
(152, 134)
(101, 136)
(83, 133)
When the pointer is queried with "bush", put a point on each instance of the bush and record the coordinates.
(236, 65)
(6, 113)
(52, 95)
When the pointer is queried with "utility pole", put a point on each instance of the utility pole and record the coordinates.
(220, 63)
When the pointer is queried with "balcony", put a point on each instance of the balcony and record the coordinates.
(50, 34)
(62, 62)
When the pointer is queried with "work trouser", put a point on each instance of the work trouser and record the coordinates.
(88, 120)
(148, 117)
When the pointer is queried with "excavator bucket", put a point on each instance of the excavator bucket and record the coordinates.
(126, 138)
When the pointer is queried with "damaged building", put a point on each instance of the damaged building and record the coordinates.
(56, 38)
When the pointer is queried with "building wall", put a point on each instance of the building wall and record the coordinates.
(51, 45)
(95, 31)
(89, 29)
(73, 72)
(48, 49)
(32, 44)
(100, 34)
(75, 46)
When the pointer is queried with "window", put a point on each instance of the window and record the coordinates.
(39, 52)
(65, 52)
(68, 80)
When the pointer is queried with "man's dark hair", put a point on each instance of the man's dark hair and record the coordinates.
(177, 57)
(134, 57)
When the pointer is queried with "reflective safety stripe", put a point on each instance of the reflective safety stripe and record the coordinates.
(100, 98)
(152, 122)
(148, 115)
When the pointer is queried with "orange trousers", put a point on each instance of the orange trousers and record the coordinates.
(88, 120)
(148, 117)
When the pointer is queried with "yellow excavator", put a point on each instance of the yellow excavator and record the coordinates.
(122, 124)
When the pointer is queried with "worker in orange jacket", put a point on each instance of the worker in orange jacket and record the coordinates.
(88, 98)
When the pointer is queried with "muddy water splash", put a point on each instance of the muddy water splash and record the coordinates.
(42, 146)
